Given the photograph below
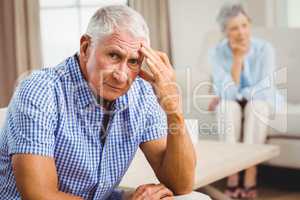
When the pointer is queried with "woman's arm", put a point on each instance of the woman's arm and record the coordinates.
(264, 86)
(223, 83)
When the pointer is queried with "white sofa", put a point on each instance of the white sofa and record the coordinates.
(2, 116)
(284, 130)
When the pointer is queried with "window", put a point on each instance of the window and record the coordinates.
(293, 13)
(62, 24)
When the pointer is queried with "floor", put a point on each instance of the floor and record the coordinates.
(275, 184)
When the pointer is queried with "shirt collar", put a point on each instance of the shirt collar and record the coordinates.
(82, 90)
(127, 100)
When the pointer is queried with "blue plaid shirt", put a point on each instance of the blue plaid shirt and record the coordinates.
(54, 113)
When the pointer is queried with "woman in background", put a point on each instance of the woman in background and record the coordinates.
(242, 74)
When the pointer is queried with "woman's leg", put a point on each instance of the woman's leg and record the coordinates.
(256, 122)
(255, 132)
(229, 115)
(250, 176)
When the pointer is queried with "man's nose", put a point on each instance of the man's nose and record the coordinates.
(120, 73)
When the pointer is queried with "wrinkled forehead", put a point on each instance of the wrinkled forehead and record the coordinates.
(125, 41)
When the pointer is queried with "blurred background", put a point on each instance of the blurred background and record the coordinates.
(41, 33)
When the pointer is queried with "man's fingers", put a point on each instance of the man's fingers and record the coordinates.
(152, 191)
(154, 69)
(158, 187)
(153, 57)
(142, 191)
(147, 76)
(151, 52)
(164, 58)
(163, 192)
(149, 55)
(158, 58)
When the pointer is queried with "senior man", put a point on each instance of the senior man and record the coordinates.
(72, 130)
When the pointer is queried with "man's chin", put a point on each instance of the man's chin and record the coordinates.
(112, 95)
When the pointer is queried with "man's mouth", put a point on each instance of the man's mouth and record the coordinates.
(114, 87)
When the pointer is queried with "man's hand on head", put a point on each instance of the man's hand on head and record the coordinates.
(162, 78)
(173, 158)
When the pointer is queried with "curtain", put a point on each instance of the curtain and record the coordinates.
(20, 50)
(156, 14)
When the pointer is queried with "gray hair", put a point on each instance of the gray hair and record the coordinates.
(109, 19)
(228, 11)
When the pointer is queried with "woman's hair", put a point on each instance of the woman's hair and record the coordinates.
(228, 11)
(109, 19)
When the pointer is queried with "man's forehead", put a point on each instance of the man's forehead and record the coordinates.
(124, 40)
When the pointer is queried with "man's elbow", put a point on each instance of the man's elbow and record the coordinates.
(184, 185)
(183, 189)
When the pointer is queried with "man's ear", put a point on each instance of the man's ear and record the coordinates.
(85, 42)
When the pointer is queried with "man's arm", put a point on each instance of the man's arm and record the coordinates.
(173, 158)
(36, 178)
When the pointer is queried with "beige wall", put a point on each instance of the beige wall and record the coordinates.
(268, 13)
(190, 19)
(257, 11)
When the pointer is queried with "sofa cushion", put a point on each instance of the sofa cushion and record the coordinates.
(2, 116)
(289, 152)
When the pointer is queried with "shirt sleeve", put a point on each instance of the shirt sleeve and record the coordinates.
(117, 194)
(264, 88)
(224, 86)
(31, 118)
(156, 122)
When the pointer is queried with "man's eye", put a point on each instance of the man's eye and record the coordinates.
(133, 61)
(114, 56)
